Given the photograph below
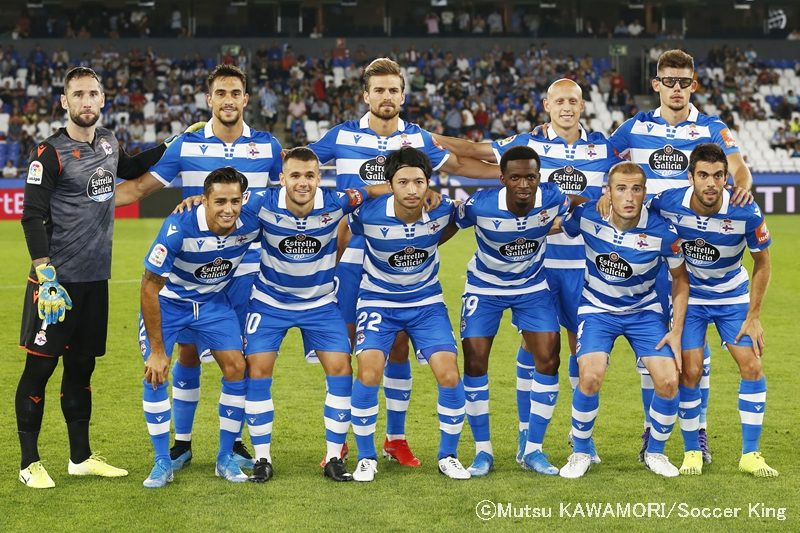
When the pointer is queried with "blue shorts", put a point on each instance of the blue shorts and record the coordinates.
(727, 318)
(322, 328)
(664, 291)
(213, 323)
(566, 286)
(428, 326)
(644, 330)
(348, 279)
(481, 313)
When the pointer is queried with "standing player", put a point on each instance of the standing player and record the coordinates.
(715, 233)
(660, 142)
(623, 254)
(186, 271)
(226, 140)
(507, 271)
(360, 149)
(400, 291)
(68, 219)
(578, 162)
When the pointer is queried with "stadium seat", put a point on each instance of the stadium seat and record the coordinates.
(4, 123)
(312, 130)
(200, 101)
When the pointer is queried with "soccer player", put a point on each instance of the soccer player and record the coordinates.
(68, 220)
(577, 162)
(623, 254)
(714, 234)
(187, 268)
(295, 288)
(360, 149)
(400, 291)
(507, 271)
(660, 141)
(226, 140)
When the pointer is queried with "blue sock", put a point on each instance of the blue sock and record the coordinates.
(525, 369)
(663, 413)
(364, 414)
(573, 371)
(231, 414)
(689, 416)
(337, 412)
(155, 404)
(705, 385)
(647, 397)
(397, 390)
(544, 394)
(259, 413)
(752, 404)
(185, 396)
(476, 390)
(584, 414)
(451, 418)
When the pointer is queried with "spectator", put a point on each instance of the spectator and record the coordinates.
(432, 23)
(447, 20)
(621, 29)
(635, 29)
(495, 22)
(779, 138)
(479, 25)
(463, 21)
(10, 170)
(796, 150)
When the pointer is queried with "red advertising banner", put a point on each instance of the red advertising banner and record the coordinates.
(11, 206)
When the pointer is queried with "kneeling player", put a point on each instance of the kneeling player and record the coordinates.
(623, 254)
(718, 293)
(400, 291)
(186, 270)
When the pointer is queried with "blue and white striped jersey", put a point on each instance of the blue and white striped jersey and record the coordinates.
(401, 261)
(580, 169)
(192, 156)
(663, 150)
(713, 246)
(511, 250)
(197, 262)
(298, 255)
(360, 154)
(621, 266)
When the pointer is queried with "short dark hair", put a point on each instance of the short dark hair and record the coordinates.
(675, 59)
(224, 175)
(226, 71)
(626, 167)
(519, 153)
(383, 66)
(80, 72)
(406, 156)
(301, 153)
(707, 153)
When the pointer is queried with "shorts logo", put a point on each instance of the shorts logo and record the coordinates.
(700, 253)
(41, 338)
(613, 267)
(569, 179)
(35, 172)
(463, 324)
(106, 146)
(158, 255)
(214, 271)
(668, 161)
(300, 247)
(520, 249)
(372, 170)
(409, 259)
(100, 186)
(360, 337)
(143, 348)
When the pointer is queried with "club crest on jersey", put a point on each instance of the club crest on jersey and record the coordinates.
(325, 219)
(372, 170)
(106, 146)
(404, 141)
(569, 179)
(520, 249)
(252, 150)
(433, 226)
(693, 131)
(100, 186)
(668, 161)
(214, 271)
(726, 226)
(41, 338)
(241, 239)
(699, 252)
(641, 241)
(544, 217)
(590, 152)
(613, 267)
(409, 259)
(300, 246)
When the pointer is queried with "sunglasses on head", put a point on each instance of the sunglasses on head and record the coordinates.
(669, 81)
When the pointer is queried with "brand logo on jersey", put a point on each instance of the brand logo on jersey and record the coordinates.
(372, 170)
(214, 271)
(203, 148)
(300, 246)
(569, 179)
(100, 186)
(172, 230)
(158, 255)
(200, 244)
(520, 249)
(356, 138)
(668, 161)
(76, 153)
(547, 148)
(35, 173)
(700, 253)
(613, 267)
(106, 146)
(649, 127)
(496, 224)
(726, 226)
(384, 231)
(409, 259)
(597, 228)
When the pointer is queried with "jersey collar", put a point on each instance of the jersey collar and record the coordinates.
(391, 214)
(552, 135)
(319, 201)
(209, 131)
(502, 200)
(723, 210)
(364, 123)
(693, 113)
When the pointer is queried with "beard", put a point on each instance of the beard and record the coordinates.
(78, 120)
(385, 115)
(230, 122)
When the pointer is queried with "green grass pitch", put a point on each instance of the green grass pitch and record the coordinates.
(299, 498)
